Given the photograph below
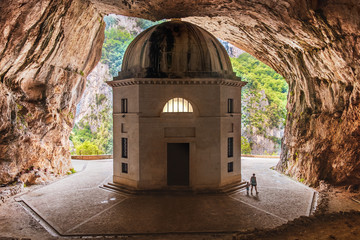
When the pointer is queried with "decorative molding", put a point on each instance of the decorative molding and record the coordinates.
(176, 81)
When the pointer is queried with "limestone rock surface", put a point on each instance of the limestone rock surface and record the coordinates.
(47, 48)
(314, 44)
(97, 96)
(266, 141)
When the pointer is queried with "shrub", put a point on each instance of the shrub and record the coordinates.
(245, 146)
(87, 148)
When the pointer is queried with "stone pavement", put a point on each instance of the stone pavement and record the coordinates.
(76, 206)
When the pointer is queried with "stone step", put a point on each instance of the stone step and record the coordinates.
(227, 189)
(233, 187)
(132, 191)
(120, 188)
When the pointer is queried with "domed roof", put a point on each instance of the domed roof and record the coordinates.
(176, 49)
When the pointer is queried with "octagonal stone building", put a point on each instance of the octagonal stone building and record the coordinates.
(177, 112)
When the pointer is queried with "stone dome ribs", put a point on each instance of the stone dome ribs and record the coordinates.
(159, 52)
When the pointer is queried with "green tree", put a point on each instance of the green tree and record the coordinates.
(245, 146)
(88, 148)
(114, 47)
(80, 133)
(261, 80)
(117, 39)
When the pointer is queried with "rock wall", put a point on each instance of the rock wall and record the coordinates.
(96, 97)
(46, 51)
(129, 24)
(315, 46)
(46, 47)
(231, 49)
(263, 139)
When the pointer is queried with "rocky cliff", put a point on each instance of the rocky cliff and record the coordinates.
(231, 49)
(46, 51)
(315, 46)
(47, 48)
(263, 138)
(97, 96)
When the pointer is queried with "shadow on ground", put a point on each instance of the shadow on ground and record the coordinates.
(76, 206)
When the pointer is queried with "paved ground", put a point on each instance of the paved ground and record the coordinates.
(77, 206)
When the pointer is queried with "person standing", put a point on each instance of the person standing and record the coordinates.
(247, 188)
(253, 183)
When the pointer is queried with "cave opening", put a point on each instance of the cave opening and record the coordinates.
(263, 108)
(264, 98)
(313, 46)
(47, 48)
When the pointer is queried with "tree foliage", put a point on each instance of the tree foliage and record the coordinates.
(88, 148)
(264, 85)
(86, 138)
(145, 24)
(264, 97)
(114, 47)
(102, 137)
(117, 39)
(245, 146)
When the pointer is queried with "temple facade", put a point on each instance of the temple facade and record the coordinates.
(177, 112)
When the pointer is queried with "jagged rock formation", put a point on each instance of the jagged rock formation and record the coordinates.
(46, 51)
(231, 49)
(96, 97)
(314, 44)
(96, 80)
(130, 24)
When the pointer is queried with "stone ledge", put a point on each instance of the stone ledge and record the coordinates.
(260, 156)
(91, 157)
(99, 157)
(176, 81)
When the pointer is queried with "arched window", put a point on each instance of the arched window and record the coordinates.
(178, 105)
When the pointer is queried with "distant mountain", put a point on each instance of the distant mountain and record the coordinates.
(233, 51)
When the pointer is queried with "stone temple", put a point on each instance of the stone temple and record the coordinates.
(177, 112)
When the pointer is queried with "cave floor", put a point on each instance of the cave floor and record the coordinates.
(76, 207)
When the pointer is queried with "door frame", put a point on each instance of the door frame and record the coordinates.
(192, 150)
(185, 167)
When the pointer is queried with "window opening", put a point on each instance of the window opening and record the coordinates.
(123, 128)
(178, 105)
(124, 167)
(230, 105)
(230, 147)
(230, 166)
(124, 147)
(124, 105)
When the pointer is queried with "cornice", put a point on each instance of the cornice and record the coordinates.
(176, 81)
